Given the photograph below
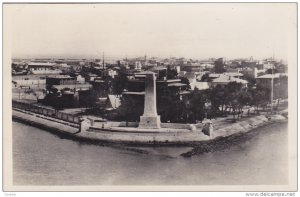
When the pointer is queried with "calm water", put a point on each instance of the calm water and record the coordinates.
(41, 158)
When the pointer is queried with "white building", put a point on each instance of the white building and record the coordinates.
(43, 68)
(138, 66)
(223, 80)
(80, 79)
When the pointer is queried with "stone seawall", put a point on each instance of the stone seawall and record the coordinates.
(167, 137)
(58, 127)
(105, 125)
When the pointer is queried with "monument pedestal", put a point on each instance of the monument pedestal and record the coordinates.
(150, 122)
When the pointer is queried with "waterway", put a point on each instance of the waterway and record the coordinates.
(41, 158)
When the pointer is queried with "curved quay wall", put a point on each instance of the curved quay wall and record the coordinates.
(114, 132)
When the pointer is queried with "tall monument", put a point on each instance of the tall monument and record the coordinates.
(150, 119)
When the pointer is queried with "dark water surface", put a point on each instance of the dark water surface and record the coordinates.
(41, 158)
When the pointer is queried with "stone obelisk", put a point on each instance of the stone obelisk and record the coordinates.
(150, 119)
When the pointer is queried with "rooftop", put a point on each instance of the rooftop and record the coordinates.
(134, 93)
(270, 76)
(176, 84)
(158, 68)
(184, 92)
(145, 73)
(92, 75)
(199, 85)
(73, 86)
(61, 77)
(228, 79)
(232, 74)
(169, 80)
(41, 64)
(189, 75)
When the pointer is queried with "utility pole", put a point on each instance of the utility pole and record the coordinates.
(103, 60)
(272, 82)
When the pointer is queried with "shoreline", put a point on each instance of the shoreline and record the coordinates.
(224, 143)
(70, 132)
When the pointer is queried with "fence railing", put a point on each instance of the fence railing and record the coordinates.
(46, 111)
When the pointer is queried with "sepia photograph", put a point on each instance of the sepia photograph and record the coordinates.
(150, 97)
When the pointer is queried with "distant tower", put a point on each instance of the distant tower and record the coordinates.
(103, 60)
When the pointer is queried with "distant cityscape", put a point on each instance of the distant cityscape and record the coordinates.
(112, 89)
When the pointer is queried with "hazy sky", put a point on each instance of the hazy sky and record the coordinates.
(163, 30)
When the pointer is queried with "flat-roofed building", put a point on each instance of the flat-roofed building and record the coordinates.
(280, 84)
(65, 92)
(59, 80)
(225, 75)
(224, 80)
(43, 68)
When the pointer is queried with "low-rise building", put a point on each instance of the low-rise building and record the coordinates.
(80, 79)
(226, 74)
(280, 84)
(224, 80)
(64, 91)
(65, 68)
(91, 77)
(192, 67)
(199, 85)
(43, 68)
(59, 80)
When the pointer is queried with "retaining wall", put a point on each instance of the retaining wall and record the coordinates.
(45, 111)
(108, 124)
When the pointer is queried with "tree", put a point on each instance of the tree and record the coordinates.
(108, 85)
(260, 97)
(168, 104)
(119, 83)
(198, 98)
(131, 108)
(251, 79)
(205, 78)
(171, 73)
(218, 97)
(281, 88)
(185, 81)
(34, 93)
(85, 72)
(219, 66)
(245, 98)
(234, 91)
(271, 71)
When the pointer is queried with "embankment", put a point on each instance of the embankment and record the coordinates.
(237, 133)
(222, 135)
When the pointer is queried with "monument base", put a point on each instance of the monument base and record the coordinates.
(149, 122)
